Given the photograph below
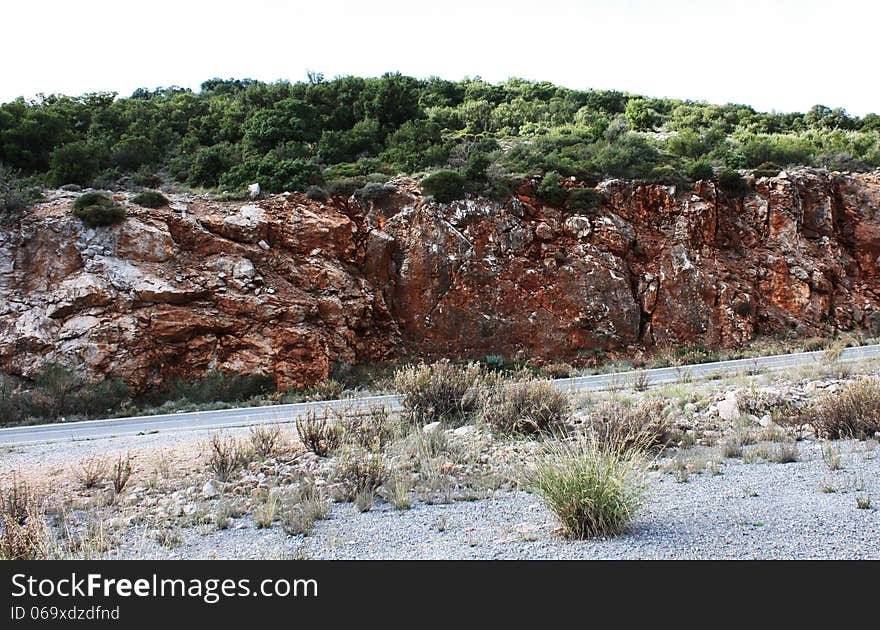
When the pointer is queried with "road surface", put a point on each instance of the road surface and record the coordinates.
(228, 418)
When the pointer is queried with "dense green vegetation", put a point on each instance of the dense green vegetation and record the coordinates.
(96, 210)
(339, 136)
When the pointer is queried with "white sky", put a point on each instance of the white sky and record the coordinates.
(785, 55)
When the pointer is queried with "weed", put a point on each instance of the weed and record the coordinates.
(91, 472)
(226, 457)
(122, 471)
(266, 439)
(318, 434)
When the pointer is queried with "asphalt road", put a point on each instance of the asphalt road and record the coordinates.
(228, 418)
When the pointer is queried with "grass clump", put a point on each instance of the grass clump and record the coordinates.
(527, 407)
(371, 430)
(360, 473)
(305, 505)
(832, 457)
(267, 512)
(150, 199)
(785, 453)
(620, 425)
(97, 210)
(853, 411)
(593, 490)
(441, 392)
(24, 534)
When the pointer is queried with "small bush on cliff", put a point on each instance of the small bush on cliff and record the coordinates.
(550, 191)
(151, 199)
(345, 187)
(96, 210)
(766, 169)
(16, 194)
(733, 184)
(445, 186)
(699, 169)
(373, 191)
(316, 193)
(442, 392)
(584, 200)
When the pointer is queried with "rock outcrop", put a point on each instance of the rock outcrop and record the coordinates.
(290, 286)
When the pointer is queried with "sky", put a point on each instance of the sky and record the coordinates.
(782, 55)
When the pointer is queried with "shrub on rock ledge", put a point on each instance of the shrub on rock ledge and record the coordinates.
(151, 199)
(96, 210)
(733, 184)
(584, 200)
(444, 186)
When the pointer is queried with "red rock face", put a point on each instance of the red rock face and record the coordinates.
(290, 286)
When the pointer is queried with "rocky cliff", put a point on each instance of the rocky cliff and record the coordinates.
(290, 286)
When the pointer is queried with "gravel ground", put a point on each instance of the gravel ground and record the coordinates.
(63, 452)
(758, 510)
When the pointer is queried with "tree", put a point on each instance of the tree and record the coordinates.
(288, 120)
(73, 163)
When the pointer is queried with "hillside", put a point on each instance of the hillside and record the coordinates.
(343, 133)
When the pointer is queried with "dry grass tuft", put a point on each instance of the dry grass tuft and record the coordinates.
(318, 434)
(592, 489)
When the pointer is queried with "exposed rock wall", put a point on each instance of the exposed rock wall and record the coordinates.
(290, 286)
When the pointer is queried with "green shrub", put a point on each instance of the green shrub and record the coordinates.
(441, 392)
(528, 407)
(445, 186)
(215, 386)
(373, 191)
(146, 179)
(733, 184)
(550, 191)
(584, 200)
(151, 199)
(666, 174)
(274, 174)
(316, 193)
(73, 163)
(95, 210)
(58, 391)
(700, 169)
(766, 169)
(593, 491)
(345, 187)
(206, 165)
(16, 194)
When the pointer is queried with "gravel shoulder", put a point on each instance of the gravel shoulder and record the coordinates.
(757, 510)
